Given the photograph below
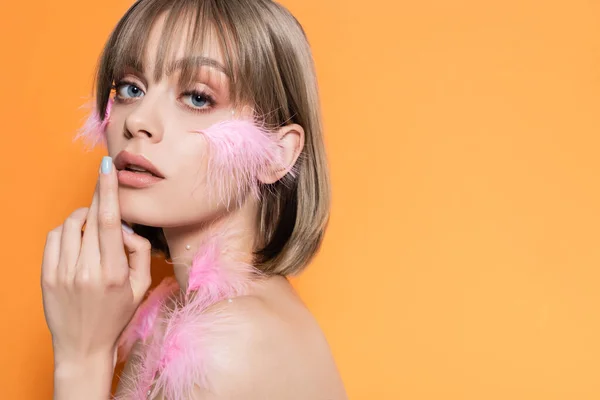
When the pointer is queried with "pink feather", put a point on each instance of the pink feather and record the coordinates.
(214, 273)
(142, 323)
(184, 353)
(239, 152)
(191, 352)
(93, 131)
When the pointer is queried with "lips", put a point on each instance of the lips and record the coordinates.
(136, 163)
(136, 171)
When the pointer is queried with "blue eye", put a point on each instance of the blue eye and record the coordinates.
(198, 101)
(128, 90)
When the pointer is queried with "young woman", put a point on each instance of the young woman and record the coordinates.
(210, 113)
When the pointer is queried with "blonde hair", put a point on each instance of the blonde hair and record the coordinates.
(269, 63)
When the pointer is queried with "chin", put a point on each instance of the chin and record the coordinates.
(138, 217)
(154, 208)
(136, 208)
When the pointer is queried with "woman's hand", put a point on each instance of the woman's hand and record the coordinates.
(90, 289)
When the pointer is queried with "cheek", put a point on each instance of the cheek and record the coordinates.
(187, 164)
(191, 179)
(239, 152)
(186, 156)
(113, 144)
(209, 173)
(115, 139)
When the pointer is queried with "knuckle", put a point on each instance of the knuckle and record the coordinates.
(76, 217)
(83, 280)
(147, 282)
(54, 233)
(114, 283)
(115, 279)
(109, 219)
(82, 210)
(79, 213)
(145, 245)
(70, 224)
(48, 282)
(66, 279)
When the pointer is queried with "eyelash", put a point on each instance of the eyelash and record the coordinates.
(209, 99)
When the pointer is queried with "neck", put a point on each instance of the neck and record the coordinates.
(185, 241)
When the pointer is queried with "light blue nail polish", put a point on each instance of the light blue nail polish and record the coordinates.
(106, 164)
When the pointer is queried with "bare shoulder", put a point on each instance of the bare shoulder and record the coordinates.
(280, 352)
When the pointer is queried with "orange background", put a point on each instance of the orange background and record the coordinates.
(462, 256)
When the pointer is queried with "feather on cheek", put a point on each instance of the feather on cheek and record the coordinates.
(239, 152)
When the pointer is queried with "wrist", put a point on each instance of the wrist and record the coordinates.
(77, 377)
(67, 365)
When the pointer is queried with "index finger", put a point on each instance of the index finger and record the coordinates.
(110, 236)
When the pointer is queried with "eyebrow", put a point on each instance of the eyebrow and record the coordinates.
(190, 62)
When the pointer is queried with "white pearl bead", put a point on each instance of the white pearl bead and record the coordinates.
(187, 247)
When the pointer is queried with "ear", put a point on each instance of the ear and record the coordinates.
(290, 142)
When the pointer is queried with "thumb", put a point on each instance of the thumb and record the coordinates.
(139, 251)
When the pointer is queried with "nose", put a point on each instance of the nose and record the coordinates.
(144, 122)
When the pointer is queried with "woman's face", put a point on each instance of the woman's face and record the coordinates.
(160, 121)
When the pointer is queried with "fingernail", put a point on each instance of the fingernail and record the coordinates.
(126, 227)
(106, 165)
